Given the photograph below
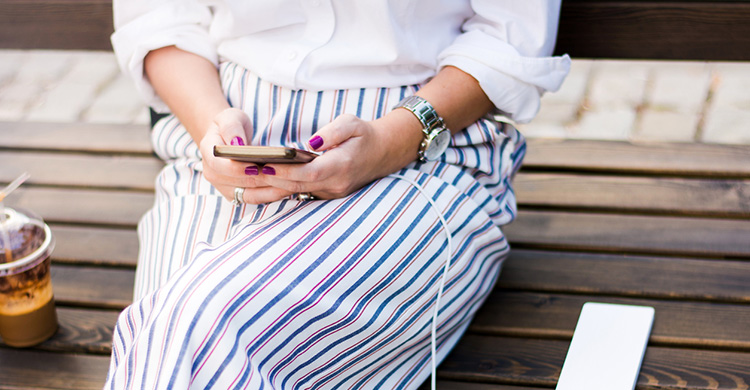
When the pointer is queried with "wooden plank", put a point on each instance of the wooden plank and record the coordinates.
(685, 30)
(26, 369)
(107, 288)
(76, 137)
(674, 236)
(713, 161)
(696, 197)
(85, 245)
(629, 276)
(453, 385)
(677, 323)
(81, 170)
(122, 208)
(56, 24)
(533, 362)
(81, 331)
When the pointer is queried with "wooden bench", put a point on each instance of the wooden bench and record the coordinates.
(659, 225)
(665, 225)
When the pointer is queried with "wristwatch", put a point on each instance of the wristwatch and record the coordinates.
(436, 135)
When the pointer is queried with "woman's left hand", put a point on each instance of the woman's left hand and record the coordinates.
(357, 152)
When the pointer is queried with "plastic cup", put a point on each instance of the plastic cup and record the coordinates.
(27, 308)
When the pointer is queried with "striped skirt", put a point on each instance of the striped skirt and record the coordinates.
(324, 294)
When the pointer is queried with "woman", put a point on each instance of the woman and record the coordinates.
(362, 268)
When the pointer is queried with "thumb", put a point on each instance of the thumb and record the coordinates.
(234, 126)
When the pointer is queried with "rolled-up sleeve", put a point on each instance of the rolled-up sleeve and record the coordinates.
(506, 46)
(145, 25)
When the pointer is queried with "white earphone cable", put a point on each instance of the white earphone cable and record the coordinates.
(433, 346)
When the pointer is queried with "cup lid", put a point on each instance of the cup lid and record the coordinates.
(29, 238)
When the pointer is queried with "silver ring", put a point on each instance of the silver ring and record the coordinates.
(305, 196)
(239, 194)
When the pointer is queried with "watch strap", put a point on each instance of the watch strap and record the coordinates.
(424, 112)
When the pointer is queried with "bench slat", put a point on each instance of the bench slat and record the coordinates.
(106, 288)
(630, 276)
(680, 236)
(516, 314)
(542, 154)
(82, 331)
(640, 194)
(451, 385)
(95, 246)
(81, 170)
(706, 160)
(535, 362)
(635, 194)
(685, 324)
(46, 24)
(28, 369)
(84, 206)
(76, 137)
(542, 229)
(684, 30)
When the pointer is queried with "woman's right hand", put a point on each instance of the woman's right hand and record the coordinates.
(231, 126)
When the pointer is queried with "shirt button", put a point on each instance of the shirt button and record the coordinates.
(291, 55)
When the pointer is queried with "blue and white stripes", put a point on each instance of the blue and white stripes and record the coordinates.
(334, 294)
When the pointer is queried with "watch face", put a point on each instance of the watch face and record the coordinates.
(437, 144)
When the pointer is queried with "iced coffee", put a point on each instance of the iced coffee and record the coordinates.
(27, 310)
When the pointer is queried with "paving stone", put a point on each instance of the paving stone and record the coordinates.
(742, 68)
(92, 67)
(16, 98)
(573, 88)
(732, 91)
(612, 124)
(69, 97)
(542, 130)
(560, 113)
(680, 87)
(118, 102)
(42, 67)
(10, 64)
(142, 118)
(617, 85)
(727, 125)
(666, 126)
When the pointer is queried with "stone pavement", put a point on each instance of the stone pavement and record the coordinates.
(638, 101)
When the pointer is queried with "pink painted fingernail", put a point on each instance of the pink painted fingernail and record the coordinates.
(316, 142)
(251, 170)
(268, 170)
(238, 141)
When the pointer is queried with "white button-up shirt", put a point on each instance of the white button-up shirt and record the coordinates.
(333, 44)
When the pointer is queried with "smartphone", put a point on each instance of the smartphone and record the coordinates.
(607, 347)
(264, 154)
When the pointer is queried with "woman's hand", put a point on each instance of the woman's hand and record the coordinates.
(357, 152)
(231, 126)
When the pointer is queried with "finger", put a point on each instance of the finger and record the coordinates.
(335, 133)
(226, 170)
(234, 126)
(262, 195)
(227, 191)
(326, 173)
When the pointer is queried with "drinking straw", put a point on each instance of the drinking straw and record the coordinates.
(4, 233)
(13, 185)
